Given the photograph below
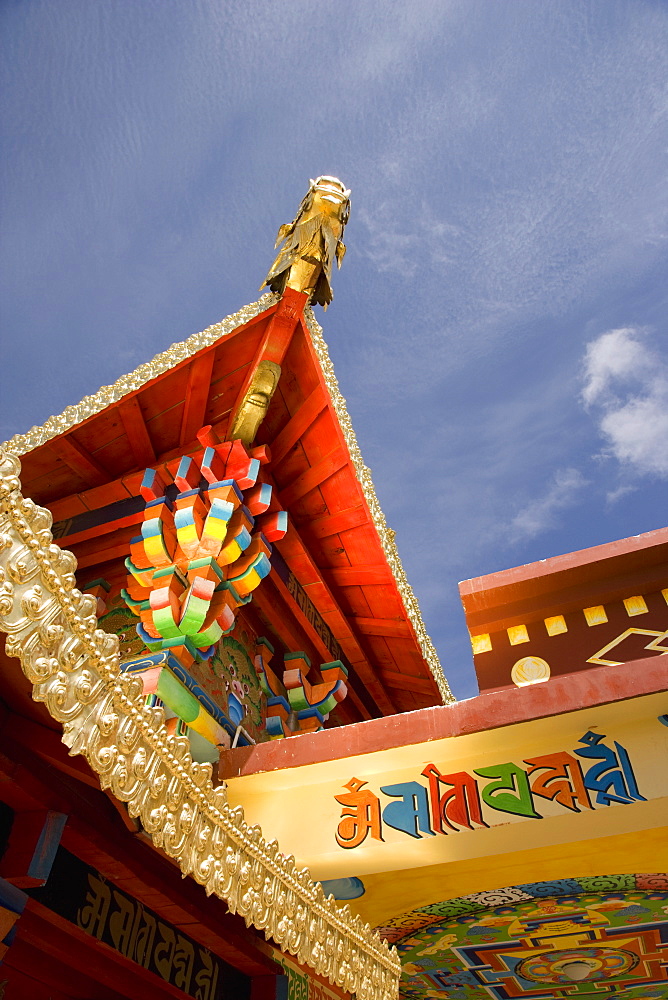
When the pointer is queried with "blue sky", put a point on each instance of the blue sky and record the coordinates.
(499, 324)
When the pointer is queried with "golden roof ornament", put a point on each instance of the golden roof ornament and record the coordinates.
(312, 241)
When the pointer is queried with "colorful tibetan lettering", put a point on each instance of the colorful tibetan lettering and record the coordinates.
(612, 779)
(562, 782)
(360, 815)
(509, 792)
(410, 813)
(459, 805)
(455, 802)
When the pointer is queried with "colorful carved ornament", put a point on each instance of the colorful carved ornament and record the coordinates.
(294, 705)
(205, 545)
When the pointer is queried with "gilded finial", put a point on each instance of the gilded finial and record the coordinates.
(312, 241)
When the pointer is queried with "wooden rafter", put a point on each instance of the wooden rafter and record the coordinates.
(317, 474)
(389, 627)
(297, 425)
(275, 340)
(360, 576)
(137, 432)
(197, 395)
(79, 460)
(332, 524)
(405, 682)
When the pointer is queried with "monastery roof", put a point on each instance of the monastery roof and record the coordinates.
(341, 551)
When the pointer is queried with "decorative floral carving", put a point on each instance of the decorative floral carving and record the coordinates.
(74, 669)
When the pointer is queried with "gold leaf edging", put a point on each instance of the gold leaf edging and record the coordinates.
(385, 534)
(74, 670)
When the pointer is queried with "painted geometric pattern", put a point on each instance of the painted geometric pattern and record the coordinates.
(525, 941)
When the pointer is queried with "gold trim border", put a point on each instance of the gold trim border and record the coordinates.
(386, 534)
(74, 670)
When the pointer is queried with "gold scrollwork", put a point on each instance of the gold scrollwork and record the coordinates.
(74, 668)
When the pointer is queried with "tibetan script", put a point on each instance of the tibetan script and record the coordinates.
(593, 774)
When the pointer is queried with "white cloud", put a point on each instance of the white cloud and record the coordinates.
(626, 385)
(611, 360)
(539, 515)
(612, 496)
(401, 245)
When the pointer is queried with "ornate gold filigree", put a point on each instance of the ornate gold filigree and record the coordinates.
(74, 670)
(108, 394)
(385, 534)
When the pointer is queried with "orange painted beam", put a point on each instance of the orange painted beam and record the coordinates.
(298, 423)
(314, 476)
(389, 627)
(102, 553)
(197, 396)
(135, 427)
(276, 339)
(332, 524)
(79, 460)
(100, 529)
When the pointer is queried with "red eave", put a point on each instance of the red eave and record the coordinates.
(332, 548)
(493, 710)
(600, 574)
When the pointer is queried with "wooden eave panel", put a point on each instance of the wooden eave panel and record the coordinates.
(605, 569)
(340, 488)
(136, 431)
(197, 394)
(229, 370)
(331, 552)
(221, 399)
(318, 437)
(330, 525)
(99, 431)
(59, 482)
(297, 425)
(165, 427)
(118, 455)
(162, 392)
(299, 376)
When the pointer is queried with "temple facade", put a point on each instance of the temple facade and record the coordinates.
(231, 765)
